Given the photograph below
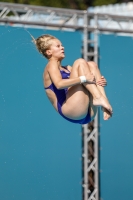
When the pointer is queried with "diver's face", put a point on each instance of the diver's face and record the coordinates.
(56, 49)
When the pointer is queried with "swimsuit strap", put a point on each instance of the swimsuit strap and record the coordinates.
(65, 67)
(49, 87)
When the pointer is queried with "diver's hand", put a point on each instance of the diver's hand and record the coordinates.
(102, 82)
(90, 78)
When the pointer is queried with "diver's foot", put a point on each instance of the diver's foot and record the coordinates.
(106, 113)
(102, 101)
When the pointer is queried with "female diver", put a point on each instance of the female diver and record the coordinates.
(77, 91)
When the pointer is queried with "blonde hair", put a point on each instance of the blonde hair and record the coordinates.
(43, 43)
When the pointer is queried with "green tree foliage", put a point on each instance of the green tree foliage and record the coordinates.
(103, 2)
(73, 4)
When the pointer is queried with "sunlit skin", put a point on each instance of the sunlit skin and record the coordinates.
(56, 50)
(79, 96)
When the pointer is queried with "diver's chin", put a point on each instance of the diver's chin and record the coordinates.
(62, 57)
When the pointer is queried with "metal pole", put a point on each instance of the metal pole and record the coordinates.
(96, 147)
(85, 50)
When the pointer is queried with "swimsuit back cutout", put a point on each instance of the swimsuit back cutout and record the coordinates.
(61, 98)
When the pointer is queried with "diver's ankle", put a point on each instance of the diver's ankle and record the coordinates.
(97, 96)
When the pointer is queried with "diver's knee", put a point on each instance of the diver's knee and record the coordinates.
(92, 65)
(80, 61)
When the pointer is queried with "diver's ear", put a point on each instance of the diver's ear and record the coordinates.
(48, 52)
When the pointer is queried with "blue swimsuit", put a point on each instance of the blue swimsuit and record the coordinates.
(61, 98)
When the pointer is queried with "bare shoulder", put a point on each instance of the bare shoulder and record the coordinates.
(45, 72)
(52, 66)
(48, 68)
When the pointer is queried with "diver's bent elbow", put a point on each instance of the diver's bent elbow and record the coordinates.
(58, 86)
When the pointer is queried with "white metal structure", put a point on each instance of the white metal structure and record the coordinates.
(125, 9)
(88, 22)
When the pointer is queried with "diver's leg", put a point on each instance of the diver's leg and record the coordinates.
(96, 72)
(98, 98)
